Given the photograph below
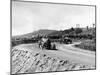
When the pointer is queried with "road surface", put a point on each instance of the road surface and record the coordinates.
(66, 52)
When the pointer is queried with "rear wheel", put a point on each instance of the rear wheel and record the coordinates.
(53, 46)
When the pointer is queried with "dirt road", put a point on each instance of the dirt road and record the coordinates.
(64, 52)
(78, 55)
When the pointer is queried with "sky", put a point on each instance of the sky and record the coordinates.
(29, 16)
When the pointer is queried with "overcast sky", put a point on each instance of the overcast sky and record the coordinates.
(28, 17)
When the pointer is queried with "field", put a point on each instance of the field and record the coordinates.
(87, 45)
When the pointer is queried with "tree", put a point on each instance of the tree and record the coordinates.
(72, 29)
(78, 30)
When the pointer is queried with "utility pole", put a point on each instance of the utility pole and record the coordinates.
(87, 27)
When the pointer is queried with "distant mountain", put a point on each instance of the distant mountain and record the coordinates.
(35, 33)
(56, 33)
(43, 32)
